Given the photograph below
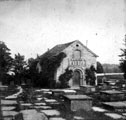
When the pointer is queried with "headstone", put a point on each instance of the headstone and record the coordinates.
(87, 88)
(76, 102)
(57, 92)
(115, 106)
(112, 95)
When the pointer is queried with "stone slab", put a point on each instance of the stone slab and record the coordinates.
(8, 102)
(43, 107)
(7, 108)
(116, 106)
(57, 118)
(77, 97)
(87, 88)
(26, 104)
(8, 118)
(33, 115)
(98, 109)
(112, 95)
(41, 103)
(50, 100)
(78, 118)
(9, 113)
(51, 113)
(76, 102)
(112, 92)
(39, 99)
(114, 115)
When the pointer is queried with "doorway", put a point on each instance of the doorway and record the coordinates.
(77, 76)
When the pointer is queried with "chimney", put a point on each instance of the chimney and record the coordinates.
(86, 43)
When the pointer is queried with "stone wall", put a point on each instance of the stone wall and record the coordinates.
(86, 55)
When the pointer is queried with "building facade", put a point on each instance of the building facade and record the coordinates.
(78, 58)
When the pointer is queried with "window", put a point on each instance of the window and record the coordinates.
(77, 54)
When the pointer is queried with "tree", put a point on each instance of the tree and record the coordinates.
(5, 60)
(19, 67)
(123, 59)
(99, 68)
(49, 65)
(90, 75)
(64, 78)
(32, 71)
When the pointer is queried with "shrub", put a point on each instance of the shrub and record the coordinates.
(64, 78)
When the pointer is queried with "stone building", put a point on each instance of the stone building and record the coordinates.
(78, 58)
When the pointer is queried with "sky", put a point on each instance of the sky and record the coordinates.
(30, 27)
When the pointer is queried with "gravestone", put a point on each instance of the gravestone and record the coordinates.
(76, 102)
(115, 106)
(112, 95)
(87, 88)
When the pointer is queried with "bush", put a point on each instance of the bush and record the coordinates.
(64, 78)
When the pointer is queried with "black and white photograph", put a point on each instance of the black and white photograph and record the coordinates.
(62, 59)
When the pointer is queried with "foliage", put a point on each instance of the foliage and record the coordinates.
(123, 59)
(5, 60)
(19, 68)
(111, 68)
(90, 75)
(99, 68)
(32, 73)
(49, 65)
(64, 78)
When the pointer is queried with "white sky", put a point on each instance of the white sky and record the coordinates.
(32, 26)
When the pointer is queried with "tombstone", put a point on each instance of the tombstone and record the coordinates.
(112, 95)
(76, 102)
(115, 106)
(87, 88)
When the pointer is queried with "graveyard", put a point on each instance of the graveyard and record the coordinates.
(86, 103)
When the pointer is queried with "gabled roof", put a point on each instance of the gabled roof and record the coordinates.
(59, 48)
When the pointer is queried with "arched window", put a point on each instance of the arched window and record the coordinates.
(77, 54)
